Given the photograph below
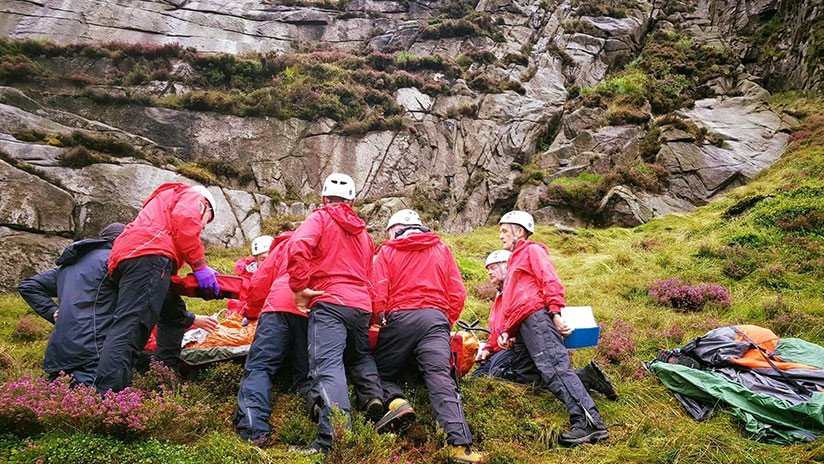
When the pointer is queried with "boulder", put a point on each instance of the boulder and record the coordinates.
(31, 203)
(24, 254)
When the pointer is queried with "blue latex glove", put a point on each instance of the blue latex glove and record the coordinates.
(244, 322)
(206, 280)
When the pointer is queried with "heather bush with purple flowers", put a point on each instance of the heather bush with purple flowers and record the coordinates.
(674, 333)
(682, 297)
(616, 344)
(31, 405)
(31, 328)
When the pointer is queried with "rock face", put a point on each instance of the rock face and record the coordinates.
(464, 150)
(782, 41)
(24, 254)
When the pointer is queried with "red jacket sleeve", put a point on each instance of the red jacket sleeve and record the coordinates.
(494, 323)
(551, 290)
(379, 282)
(186, 228)
(260, 285)
(301, 249)
(492, 344)
(455, 289)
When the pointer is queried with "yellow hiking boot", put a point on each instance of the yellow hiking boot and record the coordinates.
(462, 454)
(399, 417)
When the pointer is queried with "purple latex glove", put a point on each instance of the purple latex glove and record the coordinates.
(206, 280)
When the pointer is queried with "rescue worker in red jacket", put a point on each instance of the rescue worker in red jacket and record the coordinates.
(280, 337)
(245, 268)
(164, 236)
(532, 300)
(490, 354)
(329, 260)
(516, 364)
(417, 295)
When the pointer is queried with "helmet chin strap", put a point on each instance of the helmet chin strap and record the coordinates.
(516, 239)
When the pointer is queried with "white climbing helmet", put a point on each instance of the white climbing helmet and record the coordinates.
(208, 196)
(498, 256)
(521, 218)
(261, 244)
(339, 185)
(406, 217)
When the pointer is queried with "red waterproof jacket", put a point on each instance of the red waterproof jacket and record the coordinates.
(531, 284)
(416, 272)
(269, 290)
(242, 271)
(167, 225)
(495, 324)
(331, 251)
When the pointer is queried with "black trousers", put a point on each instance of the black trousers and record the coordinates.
(422, 336)
(339, 334)
(143, 288)
(545, 345)
(280, 338)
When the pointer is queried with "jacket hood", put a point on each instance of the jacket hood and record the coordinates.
(281, 237)
(346, 217)
(72, 253)
(414, 242)
(162, 188)
(522, 244)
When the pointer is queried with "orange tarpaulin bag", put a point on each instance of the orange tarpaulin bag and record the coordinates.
(229, 332)
(464, 346)
(763, 344)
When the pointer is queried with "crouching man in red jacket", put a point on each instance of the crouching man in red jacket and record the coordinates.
(329, 260)
(246, 267)
(280, 337)
(417, 295)
(164, 236)
(532, 298)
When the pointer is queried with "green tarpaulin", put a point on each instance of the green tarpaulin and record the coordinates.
(765, 417)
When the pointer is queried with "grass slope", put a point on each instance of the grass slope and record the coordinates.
(767, 252)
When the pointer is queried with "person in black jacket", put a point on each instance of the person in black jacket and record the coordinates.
(86, 296)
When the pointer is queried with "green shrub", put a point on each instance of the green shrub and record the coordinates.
(195, 172)
(482, 82)
(474, 23)
(670, 73)
(532, 174)
(576, 26)
(79, 157)
(227, 170)
(516, 58)
(463, 109)
(222, 380)
(30, 328)
(11, 72)
(136, 77)
(612, 8)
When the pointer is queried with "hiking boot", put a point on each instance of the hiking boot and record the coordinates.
(262, 442)
(462, 454)
(374, 409)
(594, 379)
(311, 449)
(399, 417)
(579, 436)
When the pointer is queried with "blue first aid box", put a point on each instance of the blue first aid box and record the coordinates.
(585, 330)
